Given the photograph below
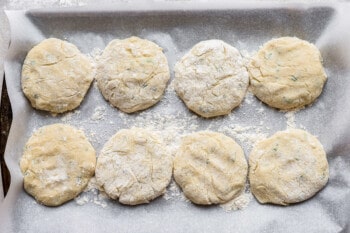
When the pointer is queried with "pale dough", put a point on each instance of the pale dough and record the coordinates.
(289, 167)
(287, 73)
(132, 74)
(134, 166)
(210, 168)
(211, 78)
(56, 76)
(57, 163)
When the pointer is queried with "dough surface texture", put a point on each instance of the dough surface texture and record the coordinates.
(134, 166)
(210, 168)
(57, 164)
(56, 76)
(211, 78)
(289, 167)
(132, 74)
(287, 73)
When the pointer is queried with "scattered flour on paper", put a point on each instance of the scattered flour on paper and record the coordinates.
(92, 194)
(95, 86)
(249, 135)
(67, 117)
(238, 203)
(99, 113)
(248, 99)
(173, 192)
(82, 199)
(95, 54)
(290, 118)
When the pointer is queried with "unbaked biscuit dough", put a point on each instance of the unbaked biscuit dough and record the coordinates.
(134, 166)
(289, 167)
(211, 78)
(132, 74)
(287, 73)
(210, 168)
(57, 163)
(56, 76)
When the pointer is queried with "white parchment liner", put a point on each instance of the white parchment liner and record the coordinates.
(177, 27)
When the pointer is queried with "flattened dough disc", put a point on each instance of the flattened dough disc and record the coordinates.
(132, 74)
(211, 78)
(57, 164)
(134, 166)
(210, 168)
(289, 167)
(287, 73)
(56, 76)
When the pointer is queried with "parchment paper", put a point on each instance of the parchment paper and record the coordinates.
(177, 27)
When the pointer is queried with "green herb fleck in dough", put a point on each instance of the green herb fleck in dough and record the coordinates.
(294, 78)
(287, 100)
(268, 56)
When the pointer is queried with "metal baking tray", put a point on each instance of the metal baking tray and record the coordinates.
(177, 26)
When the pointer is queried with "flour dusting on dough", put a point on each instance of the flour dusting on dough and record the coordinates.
(211, 78)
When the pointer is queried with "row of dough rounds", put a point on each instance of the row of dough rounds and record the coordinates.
(211, 79)
(135, 166)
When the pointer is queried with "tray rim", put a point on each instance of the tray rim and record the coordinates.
(179, 6)
(145, 7)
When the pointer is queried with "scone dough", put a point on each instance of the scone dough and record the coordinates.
(57, 164)
(287, 73)
(210, 168)
(289, 167)
(132, 74)
(211, 78)
(56, 76)
(134, 166)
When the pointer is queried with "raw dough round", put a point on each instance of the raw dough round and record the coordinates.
(132, 74)
(211, 79)
(134, 166)
(289, 167)
(287, 73)
(210, 168)
(56, 76)
(57, 164)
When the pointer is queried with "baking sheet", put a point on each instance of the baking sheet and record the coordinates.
(1, 83)
(177, 27)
